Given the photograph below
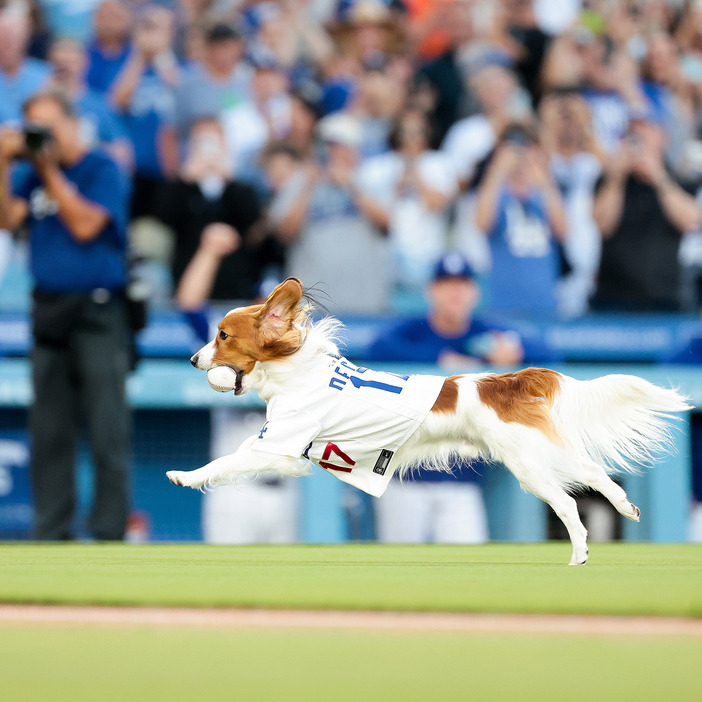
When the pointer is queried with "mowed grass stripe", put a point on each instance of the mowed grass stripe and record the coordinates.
(75, 664)
(621, 579)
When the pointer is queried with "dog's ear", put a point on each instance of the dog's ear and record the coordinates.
(279, 310)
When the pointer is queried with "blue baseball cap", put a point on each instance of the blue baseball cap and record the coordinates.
(453, 264)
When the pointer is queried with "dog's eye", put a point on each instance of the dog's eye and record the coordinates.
(223, 335)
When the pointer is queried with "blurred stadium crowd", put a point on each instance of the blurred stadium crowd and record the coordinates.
(548, 152)
(352, 142)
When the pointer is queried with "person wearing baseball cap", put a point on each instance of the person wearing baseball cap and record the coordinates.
(450, 334)
(221, 80)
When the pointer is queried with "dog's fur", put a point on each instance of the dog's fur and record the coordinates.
(554, 433)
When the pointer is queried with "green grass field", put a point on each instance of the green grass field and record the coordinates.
(619, 578)
(77, 662)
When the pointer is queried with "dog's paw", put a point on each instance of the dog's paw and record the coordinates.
(579, 558)
(631, 511)
(175, 477)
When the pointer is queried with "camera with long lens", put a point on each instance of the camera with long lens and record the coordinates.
(36, 138)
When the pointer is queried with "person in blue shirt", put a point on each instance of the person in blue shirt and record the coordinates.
(68, 18)
(100, 124)
(110, 47)
(431, 505)
(20, 75)
(144, 95)
(74, 204)
(450, 335)
(520, 210)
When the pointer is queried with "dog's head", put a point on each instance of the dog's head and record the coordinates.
(256, 333)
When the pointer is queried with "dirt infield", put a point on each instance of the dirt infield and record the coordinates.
(386, 621)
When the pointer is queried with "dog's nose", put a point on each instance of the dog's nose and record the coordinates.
(193, 360)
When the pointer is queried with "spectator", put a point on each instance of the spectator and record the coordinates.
(528, 43)
(611, 87)
(291, 35)
(381, 92)
(75, 205)
(220, 82)
(335, 233)
(366, 30)
(564, 63)
(669, 94)
(471, 139)
(414, 186)
(251, 123)
(144, 95)
(203, 205)
(110, 47)
(520, 210)
(368, 75)
(283, 167)
(100, 124)
(305, 112)
(576, 163)
(20, 76)
(40, 35)
(444, 80)
(431, 505)
(641, 212)
(68, 18)
(495, 89)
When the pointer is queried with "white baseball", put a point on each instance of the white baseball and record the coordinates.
(221, 378)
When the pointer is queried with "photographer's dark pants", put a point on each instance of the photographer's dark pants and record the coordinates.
(83, 376)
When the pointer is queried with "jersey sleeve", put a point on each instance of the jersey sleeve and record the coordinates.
(287, 432)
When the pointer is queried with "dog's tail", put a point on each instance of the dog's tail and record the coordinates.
(621, 421)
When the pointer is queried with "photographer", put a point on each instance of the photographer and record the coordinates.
(520, 210)
(641, 212)
(74, 204)
(335, 232)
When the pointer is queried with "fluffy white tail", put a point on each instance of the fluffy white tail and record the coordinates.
(620, 421)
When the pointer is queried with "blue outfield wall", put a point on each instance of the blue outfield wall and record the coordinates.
(171, 402)
(595, 338)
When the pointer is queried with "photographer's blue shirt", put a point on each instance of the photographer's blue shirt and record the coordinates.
(59, 263)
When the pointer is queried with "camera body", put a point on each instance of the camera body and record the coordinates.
(36, 138)
(518, 135)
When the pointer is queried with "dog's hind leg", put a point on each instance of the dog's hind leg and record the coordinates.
(536, 480)
(567, 510)
(596, 477)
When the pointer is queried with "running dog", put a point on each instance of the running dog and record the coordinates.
(554, 433)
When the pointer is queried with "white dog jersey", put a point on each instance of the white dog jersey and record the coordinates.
(351, 424)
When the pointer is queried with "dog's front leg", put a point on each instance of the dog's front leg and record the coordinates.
(246, 461)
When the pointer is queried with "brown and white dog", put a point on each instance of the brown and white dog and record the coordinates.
(554, 433)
